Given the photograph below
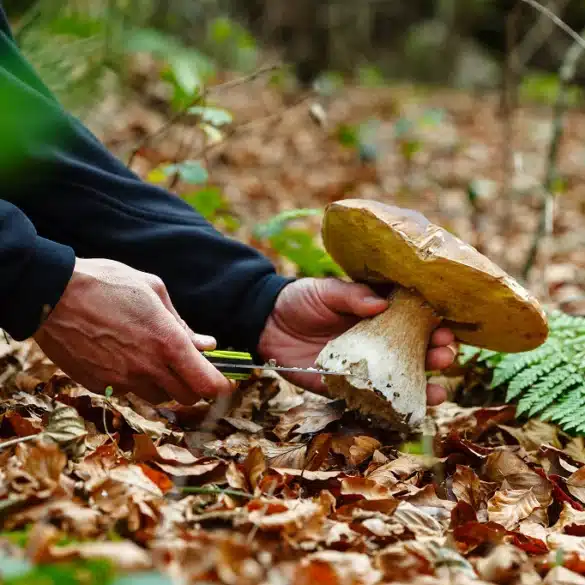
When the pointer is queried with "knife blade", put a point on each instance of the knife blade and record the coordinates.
(230, 363)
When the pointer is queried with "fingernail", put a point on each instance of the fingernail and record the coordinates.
(373, 300)
(205, 339)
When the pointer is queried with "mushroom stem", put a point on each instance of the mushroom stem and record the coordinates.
(385, 360)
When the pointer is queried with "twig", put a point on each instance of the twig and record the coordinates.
(545, 225)
(536, 36)
(215, 491)
(19, 440)
(508, 109)
(182, 113)
(579, 40)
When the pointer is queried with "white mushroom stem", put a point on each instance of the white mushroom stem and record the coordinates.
(385, 360)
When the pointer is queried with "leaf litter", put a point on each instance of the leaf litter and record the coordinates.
(287, 488)
(284, 499)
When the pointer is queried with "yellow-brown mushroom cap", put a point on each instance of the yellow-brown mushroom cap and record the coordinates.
(485, 307)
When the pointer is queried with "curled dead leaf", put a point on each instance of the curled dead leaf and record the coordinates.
(509, 507)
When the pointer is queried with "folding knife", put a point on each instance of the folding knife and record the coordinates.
(238, 365)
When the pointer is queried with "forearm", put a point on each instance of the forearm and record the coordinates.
(78, 194)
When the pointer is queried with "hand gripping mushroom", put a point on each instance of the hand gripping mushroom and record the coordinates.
(436, 278)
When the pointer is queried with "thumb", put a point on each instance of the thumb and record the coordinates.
(350, 298)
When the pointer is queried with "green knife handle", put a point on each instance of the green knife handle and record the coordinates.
(219, 357)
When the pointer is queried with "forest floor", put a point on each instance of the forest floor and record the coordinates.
(285, 487)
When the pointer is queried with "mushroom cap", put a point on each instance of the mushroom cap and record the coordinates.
(376, 243)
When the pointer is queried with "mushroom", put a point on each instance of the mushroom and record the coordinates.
(435, 277)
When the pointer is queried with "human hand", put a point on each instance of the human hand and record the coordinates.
(310, 312)
(116, 326)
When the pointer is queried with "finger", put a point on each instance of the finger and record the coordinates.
(350, 298)
(435, 394)
(442, 336)
(201, 342)
(195, 371)
(440, 358)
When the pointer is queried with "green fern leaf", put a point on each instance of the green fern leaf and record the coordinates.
(549, 381)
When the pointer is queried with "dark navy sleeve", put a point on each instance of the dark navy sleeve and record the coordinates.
(56, 176)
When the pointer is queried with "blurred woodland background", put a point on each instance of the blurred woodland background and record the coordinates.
(260, 112)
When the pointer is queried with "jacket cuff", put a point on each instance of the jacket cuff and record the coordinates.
(257, 306)
(39, 288)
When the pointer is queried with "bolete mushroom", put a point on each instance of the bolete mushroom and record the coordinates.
(436, 278)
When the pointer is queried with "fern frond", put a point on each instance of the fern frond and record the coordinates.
(549, 381)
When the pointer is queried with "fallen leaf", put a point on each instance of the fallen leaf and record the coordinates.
(571, 521)
(534, 434)
(575, 449)
(308, 419)
(468, 488)
(279, 515)
(318, 451)
(504, 564)
(242, 424)
(354, 448)
(509, 507)
(368, 489)
(125, 555)
(336, 568)
(506, 466)
(576, 484)
(254, 466)
(561, 576)
(284, 454)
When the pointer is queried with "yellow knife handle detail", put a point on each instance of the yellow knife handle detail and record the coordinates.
(219, 357)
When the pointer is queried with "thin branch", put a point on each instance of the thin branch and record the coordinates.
(182, 113)
(579, 40)
(546, 220)
(215, 491)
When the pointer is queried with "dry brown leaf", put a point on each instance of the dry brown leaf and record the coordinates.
(254, 466)
(37, 469)
(468, 488)
(355, 449)
(534, 434)
(561, 576)
(504, 565)
(125, 555)
(308, 419)
(318, 451)
(571, 521)
(283, 454)
(509, 507)
(575, 449)
(506, 466)
(277, 515)
(360, 486)
(243, 424)
(68, 515)
(576, 484)
(336, 568)
(307, 474)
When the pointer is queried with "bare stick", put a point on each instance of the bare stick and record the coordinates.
(508, 108)
(546, 220)
(560, 23)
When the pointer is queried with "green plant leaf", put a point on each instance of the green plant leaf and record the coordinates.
(299, 247)
(185, 73)
(276, 224)
(190, 171)
(212, 115)
(207, 201)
